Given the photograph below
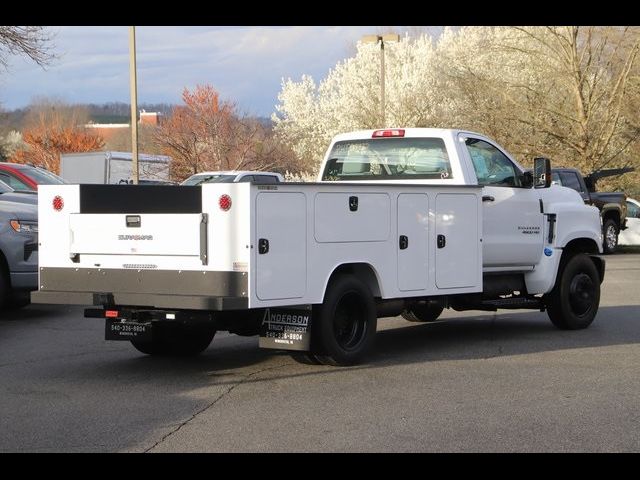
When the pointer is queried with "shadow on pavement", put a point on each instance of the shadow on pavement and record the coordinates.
(479, 337)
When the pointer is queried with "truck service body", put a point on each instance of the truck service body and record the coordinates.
(401, 221)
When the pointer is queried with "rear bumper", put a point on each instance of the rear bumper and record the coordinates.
(187, 302)
(194, 290)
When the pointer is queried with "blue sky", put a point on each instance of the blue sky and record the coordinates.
(245, 64)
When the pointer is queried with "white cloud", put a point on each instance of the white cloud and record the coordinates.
(246, 64)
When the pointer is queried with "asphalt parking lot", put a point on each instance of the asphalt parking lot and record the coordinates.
(478, 382)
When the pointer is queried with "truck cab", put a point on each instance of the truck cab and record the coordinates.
(516, 217)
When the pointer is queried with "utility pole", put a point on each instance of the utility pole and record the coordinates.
(133, 82)
(391, 37)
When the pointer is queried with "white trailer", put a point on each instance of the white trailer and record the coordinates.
(404, 222)
(112, 167)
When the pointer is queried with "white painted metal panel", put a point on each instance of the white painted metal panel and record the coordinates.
(281, 273)
(413, 223)
(513, 227)
(458, 261)
(158, 234)
(336, 222)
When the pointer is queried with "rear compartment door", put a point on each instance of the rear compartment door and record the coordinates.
(143, 234)
(281, 245)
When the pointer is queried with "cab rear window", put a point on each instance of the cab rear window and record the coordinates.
(388, 158)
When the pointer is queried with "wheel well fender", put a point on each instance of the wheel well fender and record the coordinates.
(611, 214)
(366, 273)
(586, 246)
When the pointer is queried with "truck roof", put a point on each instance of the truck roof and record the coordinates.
(408, 132)
(237, 172)
(146, 157)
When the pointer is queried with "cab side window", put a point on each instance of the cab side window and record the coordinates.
(570, 179)
(491, 165)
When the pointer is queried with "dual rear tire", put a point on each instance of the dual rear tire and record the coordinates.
(176, 339)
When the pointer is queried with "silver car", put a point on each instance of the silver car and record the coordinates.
(18, 252)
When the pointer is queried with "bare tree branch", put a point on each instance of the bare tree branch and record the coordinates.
(34, 42)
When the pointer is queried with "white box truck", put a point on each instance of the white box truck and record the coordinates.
(113, 167)
(400, 221)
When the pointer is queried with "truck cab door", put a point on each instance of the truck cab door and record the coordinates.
(512, 219)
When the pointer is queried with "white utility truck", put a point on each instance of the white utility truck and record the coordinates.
(112, 167)
(401, 221)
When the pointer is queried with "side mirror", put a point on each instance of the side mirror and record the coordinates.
(527, 179)
(541, 172)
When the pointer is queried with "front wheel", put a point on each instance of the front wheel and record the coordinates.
(344, 328)
(5, 286)
(176, 340)
(609, 236)
(573, 302)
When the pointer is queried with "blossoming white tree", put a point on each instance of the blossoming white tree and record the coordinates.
(570, 93)
(348, 99)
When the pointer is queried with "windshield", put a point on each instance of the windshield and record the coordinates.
(208, 178)
(42, 177)
(390, 158)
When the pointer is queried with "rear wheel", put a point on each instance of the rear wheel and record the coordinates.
(423, 312)
(573, 302)
(344, 328)
(177, 340)
(610, 236)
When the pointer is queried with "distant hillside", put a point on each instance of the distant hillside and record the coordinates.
(111, 112)
(118, 112)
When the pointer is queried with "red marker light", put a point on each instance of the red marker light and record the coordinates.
(394, 132)
(224, 202)
(111, 313)
(58, 203)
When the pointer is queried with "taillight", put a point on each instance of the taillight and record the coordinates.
(224, 202)
(393, 132)
(58, 203)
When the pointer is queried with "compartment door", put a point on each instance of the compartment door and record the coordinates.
(458, 255)
(413, 241)
(280, 245)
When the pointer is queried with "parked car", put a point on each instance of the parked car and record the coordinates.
(18, 252)
(231, 177)
(24, 177)
(9, 194)
(612, 205)
(143, 181)
(631, 236)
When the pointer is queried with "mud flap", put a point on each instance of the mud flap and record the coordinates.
(286, 329)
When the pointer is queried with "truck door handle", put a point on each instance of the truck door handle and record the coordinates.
(488, 198)
(132, 220)
(353, 204)
(263, 246)
(442, 241)
(404, 242)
